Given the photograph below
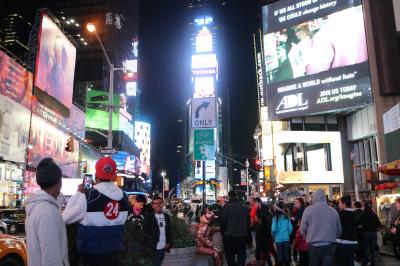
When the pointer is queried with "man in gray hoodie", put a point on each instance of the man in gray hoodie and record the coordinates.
(46, 235)
(321, 227)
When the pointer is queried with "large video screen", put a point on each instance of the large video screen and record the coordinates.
(49, 141)
(55, 63)
(315, 55)
(97, 110)
(14, 130)
(15, 81)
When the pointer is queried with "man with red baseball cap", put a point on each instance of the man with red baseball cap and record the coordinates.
(101, 213)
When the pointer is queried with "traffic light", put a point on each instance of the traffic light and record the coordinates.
(70, 144)
(257, 165)
(84, 167)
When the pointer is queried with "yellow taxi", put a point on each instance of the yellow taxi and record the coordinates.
(12, 251)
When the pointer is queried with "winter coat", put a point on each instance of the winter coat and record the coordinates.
(101, 213)
(281, 228)
(235, 220)
(368, 221)
(300, 243)
(320, 223)
(46, 235)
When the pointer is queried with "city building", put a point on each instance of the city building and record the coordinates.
(328, 116)
(207, 119)
(14, 34)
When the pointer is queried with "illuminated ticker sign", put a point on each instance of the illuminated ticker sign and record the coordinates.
(204, 61)
(201, 21)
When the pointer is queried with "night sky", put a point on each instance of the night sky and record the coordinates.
(165, 70)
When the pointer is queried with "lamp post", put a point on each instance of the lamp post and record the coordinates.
(92, 28)
(163, 174)
(247, 164)
(257, 134)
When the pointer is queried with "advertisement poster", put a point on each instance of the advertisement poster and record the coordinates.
(30, 185)
(14, 130)
(55, 64)
(142, 141)
(126, 162)
(316, 57)
(15, 81)
(49, 141)
(97, 110)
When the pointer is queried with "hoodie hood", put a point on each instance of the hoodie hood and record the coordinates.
(40, 197)
(319, 197)
(110, 190)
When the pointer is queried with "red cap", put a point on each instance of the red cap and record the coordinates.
(106, 169)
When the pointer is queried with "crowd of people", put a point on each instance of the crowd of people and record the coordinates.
(319, 232)
(305, 233)
(102, 213)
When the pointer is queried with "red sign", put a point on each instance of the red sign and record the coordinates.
(15, 81)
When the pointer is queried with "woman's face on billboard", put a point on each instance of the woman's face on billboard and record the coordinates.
(58, 49)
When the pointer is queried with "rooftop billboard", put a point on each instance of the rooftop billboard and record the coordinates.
(315, 56)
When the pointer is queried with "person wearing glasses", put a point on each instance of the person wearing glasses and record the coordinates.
(157, 229)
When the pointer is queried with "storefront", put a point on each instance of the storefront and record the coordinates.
(11, 185)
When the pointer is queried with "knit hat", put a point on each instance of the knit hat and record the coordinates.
(279, 206)
(47, 171)
(106, 169)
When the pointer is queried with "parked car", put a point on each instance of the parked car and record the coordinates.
(12, 251)
(3, 228)
(14, 219)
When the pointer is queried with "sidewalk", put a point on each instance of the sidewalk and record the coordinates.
(387, 250)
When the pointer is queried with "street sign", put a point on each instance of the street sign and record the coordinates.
(210, 171)
(204, 114)
(108, 151)
(204, 144)
(243, 177)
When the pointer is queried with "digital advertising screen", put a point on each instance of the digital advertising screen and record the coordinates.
(97, 110)
(15, 81)
(14, 130)
(315, 56)
(55, 63)
(49, 141)
(143, 141)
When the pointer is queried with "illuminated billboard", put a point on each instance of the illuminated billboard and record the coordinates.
(131, 88)
(142, 141)
(204, 40)
(15, 81)
(204, 61)
(14, 130)
(97, 110)
(204, 87)
(291, 162)
(315, 56)
(49, 141)
(55, 63)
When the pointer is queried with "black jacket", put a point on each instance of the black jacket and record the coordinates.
(235, 220)
(368, 222)
(152, 232)
(349, 225)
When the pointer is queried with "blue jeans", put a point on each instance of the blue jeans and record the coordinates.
(159, 255)
(322, 255)
(370, 240)
(345, 254)
(283, 251)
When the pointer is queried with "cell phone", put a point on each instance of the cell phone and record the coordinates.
(88, 182)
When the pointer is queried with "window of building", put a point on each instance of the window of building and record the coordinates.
(307, 157)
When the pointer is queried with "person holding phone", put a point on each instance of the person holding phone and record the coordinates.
(101, 212)
(157, 228)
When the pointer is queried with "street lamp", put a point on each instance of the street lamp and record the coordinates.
(247, 164)
(163, 174)
(92, 29)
